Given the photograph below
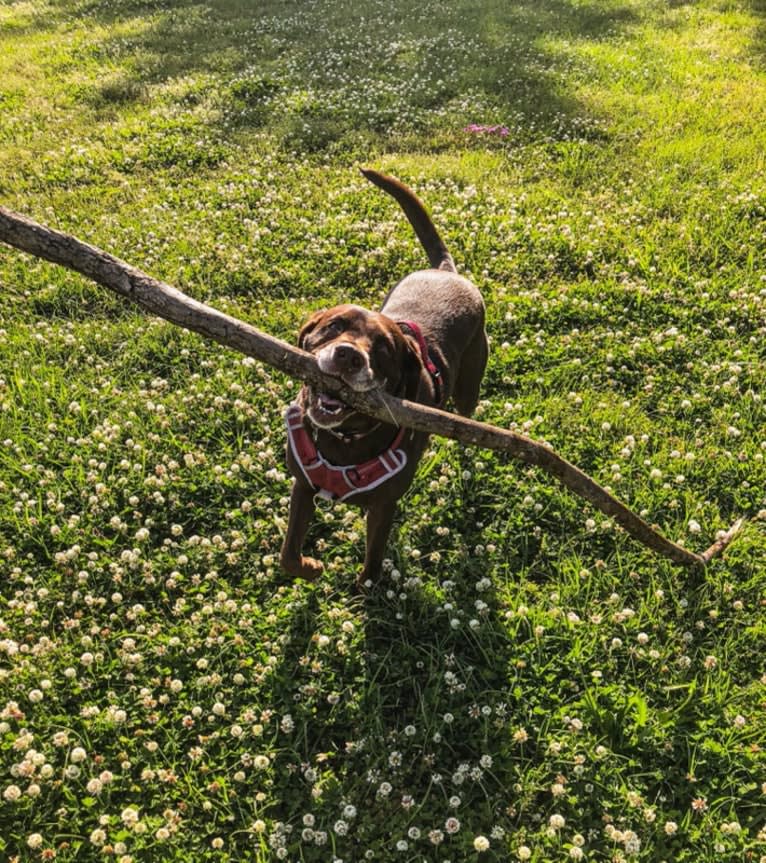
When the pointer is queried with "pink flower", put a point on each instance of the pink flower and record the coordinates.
(481, 129)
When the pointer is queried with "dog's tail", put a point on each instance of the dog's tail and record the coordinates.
(418, 217)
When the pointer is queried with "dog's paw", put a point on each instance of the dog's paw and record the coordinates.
(302, 567)
(309, 569)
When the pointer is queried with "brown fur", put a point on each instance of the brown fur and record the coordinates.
(368, 349)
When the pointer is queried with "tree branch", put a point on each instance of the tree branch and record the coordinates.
(171, 304)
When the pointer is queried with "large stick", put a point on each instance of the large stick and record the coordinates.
(169, 303)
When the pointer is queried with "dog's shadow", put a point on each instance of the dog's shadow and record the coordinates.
(417, 706)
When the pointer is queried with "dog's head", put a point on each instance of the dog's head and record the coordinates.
(365, 349)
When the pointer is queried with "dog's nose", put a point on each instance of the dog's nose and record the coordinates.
(349, 357)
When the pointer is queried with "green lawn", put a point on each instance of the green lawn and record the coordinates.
(524, 672)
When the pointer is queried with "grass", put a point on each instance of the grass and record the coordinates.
(523, 672)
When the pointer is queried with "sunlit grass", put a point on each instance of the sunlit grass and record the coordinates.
(524, 675)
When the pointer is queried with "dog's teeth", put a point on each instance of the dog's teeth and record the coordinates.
(329, 404)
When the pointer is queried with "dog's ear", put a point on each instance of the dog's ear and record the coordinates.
(308, 328)
(414, 371)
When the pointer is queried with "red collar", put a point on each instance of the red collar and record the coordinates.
(436, 375)
(339, 482)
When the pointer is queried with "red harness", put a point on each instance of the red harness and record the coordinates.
(340, 482)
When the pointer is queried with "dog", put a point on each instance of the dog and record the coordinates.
(427, 344)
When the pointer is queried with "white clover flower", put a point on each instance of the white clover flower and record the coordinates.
(11, 793)
(557, 821)
(78, 755)
(129, 816)
(524, 852)
(98, 837)
(34, 840)
(481, 843)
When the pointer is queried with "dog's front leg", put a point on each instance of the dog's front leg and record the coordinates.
(379, 521)
(301, 511)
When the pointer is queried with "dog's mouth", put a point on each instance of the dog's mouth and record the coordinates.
(327, 411)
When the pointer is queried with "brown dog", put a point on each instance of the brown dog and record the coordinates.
(427, 344)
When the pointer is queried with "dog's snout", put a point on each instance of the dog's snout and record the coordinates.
(349, 357)
(347, 361)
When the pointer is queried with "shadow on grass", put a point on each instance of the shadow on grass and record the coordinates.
(294, 65)
(758, 45)
(396, 735)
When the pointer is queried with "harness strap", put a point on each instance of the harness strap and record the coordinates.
(339, 482)
(431, 367)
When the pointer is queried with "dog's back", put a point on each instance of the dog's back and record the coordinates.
(447, 307)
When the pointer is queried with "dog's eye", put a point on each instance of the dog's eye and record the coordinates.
(336, 326)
